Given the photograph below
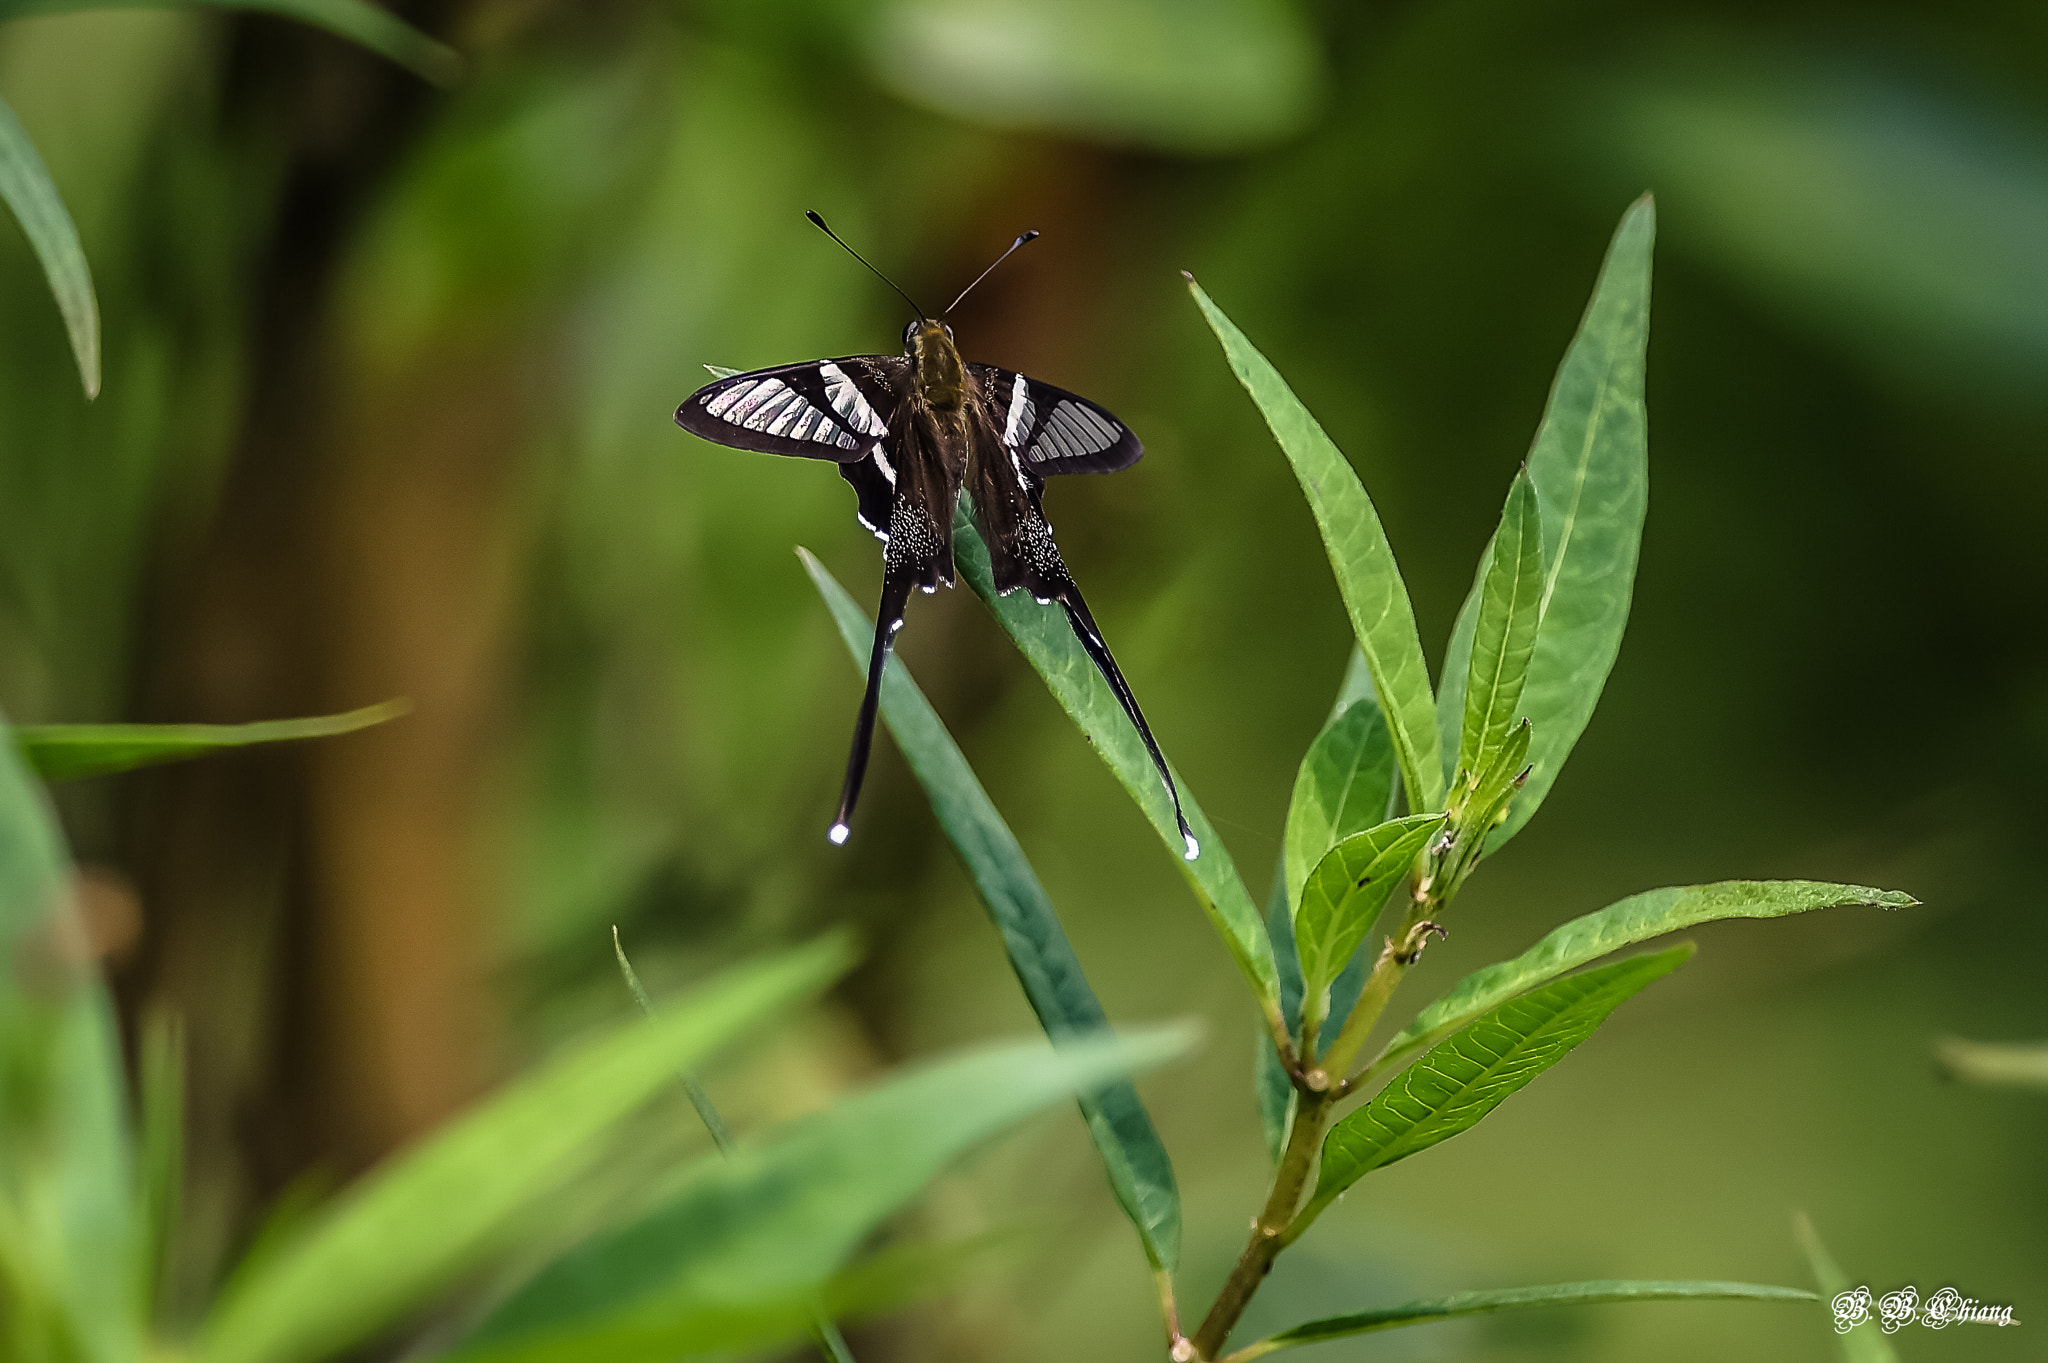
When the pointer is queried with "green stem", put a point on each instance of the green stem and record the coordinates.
(1311, 1115)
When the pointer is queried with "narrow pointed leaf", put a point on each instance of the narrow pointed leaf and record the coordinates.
(1368, 578)
(67, 1204)
(1865, 1343)
(25, 185)
(359, 21)
(1450, 1089)
(1345, 893)
(1504, 636)
(64, 752)
(1591, 470)
(1345, 785)
(774, 1223)
(1048, 644)
(1139, 1169)
(440, 1210)
(1513, 1299)
(1635, 919)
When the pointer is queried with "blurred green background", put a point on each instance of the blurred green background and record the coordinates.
(389, 371)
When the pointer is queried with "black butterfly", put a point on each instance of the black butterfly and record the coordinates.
(913, 433)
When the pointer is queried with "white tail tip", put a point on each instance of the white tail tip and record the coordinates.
(838, 833)
(1194, 848)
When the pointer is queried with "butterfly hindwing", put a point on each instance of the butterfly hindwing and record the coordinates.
(1052, 431)
(836, 409)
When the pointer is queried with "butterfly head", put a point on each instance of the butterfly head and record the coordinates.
(941, 376)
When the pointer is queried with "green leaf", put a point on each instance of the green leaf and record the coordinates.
(1345, 785)
(773, 1223)
(1139, 1169)
(1505, 634)
(1512, 1299)
(2019, 1064)
(64, 752)
(1591, 469)
(1864, 1343)
(359, 21)
(431, 1214)
(1635, 919)
(1345, 893)
(25, 185)
(1471, 1073)
(1048, 644)
(1363, 561)
(69, 1242)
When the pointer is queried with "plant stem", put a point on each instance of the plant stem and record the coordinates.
(1311, 1114)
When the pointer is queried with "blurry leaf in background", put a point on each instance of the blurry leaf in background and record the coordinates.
(1140, 1171)
(1903, 220)
(1453, 1087)
(360, 21)
(2015, 1064)
(1511, 1299)
(1590, 466)
(25, 185)
(431, 1214)
(68, 1238)
(737, 1256)
(1368, 577)
(63, 752)
(1188, 76)
(1047, 642)
(1635, 919)
(1864, 1343)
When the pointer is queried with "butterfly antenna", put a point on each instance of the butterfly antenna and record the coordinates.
(820, 224)
(1031, 235)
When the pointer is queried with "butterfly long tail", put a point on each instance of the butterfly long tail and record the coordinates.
(1069, 596)
(896, 586)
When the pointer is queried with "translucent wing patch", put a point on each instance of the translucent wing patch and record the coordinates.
(821, 409)
(1050, 430)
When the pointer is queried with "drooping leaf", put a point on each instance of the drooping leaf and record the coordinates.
(1590, 467)
(1345, 785)
(64, 752)
(1050, 973)
(773, 1223)
(439, 1210)
(1504, 637)
(1864, 1343)
(1048, 644)
(1450, 1089)
(1368, 578)
(359, 21)
(1345, 893)
(25, 185)
(1511, 1299)
(1635, 919)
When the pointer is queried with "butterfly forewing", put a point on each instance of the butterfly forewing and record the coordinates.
(821, 409)
(1053, 431)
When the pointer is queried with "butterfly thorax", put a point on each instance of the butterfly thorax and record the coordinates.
(941, 377)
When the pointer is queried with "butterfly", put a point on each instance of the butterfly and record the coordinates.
(914, 434)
